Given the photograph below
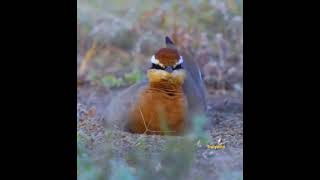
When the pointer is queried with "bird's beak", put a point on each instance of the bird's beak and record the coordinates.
(169, 70)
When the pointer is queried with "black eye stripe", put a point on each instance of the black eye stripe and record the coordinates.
(156, 66)
(177, 67)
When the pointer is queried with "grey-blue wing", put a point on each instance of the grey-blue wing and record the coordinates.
(194, 87)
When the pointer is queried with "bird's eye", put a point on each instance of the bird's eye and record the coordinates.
(179, 66)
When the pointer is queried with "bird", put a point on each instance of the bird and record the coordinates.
(166, 102)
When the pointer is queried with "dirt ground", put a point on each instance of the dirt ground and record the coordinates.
(224, 113)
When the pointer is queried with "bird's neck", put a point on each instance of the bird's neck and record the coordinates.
(165, 86)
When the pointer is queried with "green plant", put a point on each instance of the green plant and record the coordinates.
(121, 171)
(133, 77)
(112, 81)
(231, 175)
(198, 134)
(85, 166)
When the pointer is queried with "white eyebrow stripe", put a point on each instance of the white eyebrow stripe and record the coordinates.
(156, 61)
(180, 61)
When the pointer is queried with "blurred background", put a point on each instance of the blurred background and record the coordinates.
(115, 41)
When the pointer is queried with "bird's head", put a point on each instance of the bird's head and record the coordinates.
(167, 65)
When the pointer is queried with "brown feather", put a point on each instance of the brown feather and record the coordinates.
(162, 102)
(167, 56)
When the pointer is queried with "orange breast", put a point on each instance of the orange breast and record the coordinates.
(159, 111)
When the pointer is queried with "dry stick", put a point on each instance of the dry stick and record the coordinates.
(147, 129)
(144, 122)
(89, 55)
(152, 116)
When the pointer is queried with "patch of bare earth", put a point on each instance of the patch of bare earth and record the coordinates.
(225, 115)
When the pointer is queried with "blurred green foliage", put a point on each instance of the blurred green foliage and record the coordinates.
(112, 81)
(174, 161)
(231, 175)
(128, 79)
(121, 171)
(133, 77)
(86, 169)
